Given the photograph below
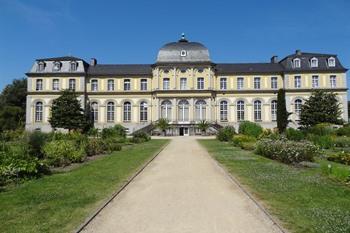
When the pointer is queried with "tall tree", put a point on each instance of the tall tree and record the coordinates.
(321, 107)
(67, 113)
(282, 114)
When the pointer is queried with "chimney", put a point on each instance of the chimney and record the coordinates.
(93, 62)
(298, 52)
(274, 59)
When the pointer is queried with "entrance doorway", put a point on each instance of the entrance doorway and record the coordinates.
(184, 131)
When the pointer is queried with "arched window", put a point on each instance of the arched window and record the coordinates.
(240, 110)
(183, 111)
(200, 110)
(110, 112)
(274, 110)
(94, 111)
(127, 111)
(39, 112)
(143, 111)
(297, 107)
(166, 110)
(223, 110)
(257, 110)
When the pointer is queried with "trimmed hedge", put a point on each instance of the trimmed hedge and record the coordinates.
(250, 128)
(226, 133)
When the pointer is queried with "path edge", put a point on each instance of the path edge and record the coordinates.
(119, 190)
(245, 191)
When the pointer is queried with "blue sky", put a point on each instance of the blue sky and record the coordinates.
(133, 31)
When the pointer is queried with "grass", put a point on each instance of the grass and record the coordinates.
(303, 199)
(61, 202)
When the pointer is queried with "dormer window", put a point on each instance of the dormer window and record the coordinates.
(73, 66)
(314, 62)
(183, 53)
(331, 62)
(41, 66)
(296, 63)
(56, 66)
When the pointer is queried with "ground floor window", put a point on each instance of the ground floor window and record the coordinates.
(183, 113)
(127, 111)
(39, 112)
(240, 110)
(200, 108)
(257, 110)
(110, 112)
(165, 111)
(94, 111)
(143, 111)
(223, 110)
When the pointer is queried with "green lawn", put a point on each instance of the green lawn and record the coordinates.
(304, 199)
(61, 202)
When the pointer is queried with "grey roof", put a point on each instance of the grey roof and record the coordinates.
(127, 69)
(170, 53)
(65, 58)
(248, 68)
(305, 62)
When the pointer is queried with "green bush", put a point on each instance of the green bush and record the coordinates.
(36, 140)
(248, 145)
(239, 139)
(287, 151)
(140, 137)
(116, 131)
(342, 142)
(95, 146)
(11, 135)
(322, 129)
(343, 131)
(324, 142)
(340, 157)
(63, 152)
(226, 133)
(111, 144)
(294, 134)
(250, 129)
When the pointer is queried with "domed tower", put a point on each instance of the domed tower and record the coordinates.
(183, 51)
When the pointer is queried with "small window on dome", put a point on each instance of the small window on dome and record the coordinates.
(56, 66)
(166, 71)
(183, 53)
(200, 70)
(183, 70)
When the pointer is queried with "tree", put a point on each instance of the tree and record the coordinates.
(67, 113)
(203, 126)
(321, 107)
(13, 105)
(282, 114)
(163, 125)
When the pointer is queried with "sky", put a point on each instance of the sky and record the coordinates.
(131, 32)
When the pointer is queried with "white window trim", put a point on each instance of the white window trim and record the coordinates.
(295, 64)
(333, 62)
(312, 61)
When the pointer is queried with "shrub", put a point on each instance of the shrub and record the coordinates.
(250, 129)
(239, 139)
(11, 135)
(111, 144)
(116, 131)
(340, 157)
(94, 146)
(294, 134)
(342, 142)
(140, 137)
(248, 145)
(322, 129)
(226, 133)
(343, 131)
(36, 140)
(324, 142)
(287, 151)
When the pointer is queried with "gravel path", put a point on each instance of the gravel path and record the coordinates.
(182, 191)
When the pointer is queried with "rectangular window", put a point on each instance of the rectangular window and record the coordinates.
(315, 83)
(240, 83)
(223, 83)
(143, 84)
(39, 85)
(71, 84)
(333, 81)
(94, 85)
(127, 85)
(166, 84)
(257, 83)
(200, 83)
(297, 81)
(183, 83)
(274, 82)
(55, 84)
(110, 85)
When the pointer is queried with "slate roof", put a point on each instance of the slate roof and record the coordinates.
(65, 58)
(127, 69)
(248, 68)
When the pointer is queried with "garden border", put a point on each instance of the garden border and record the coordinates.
(119, 190)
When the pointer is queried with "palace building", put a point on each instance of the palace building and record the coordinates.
(184, 86)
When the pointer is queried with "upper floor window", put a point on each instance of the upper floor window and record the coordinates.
(297, 81)
(73, 66)
(41, 66)
(56, 66)
(71, 84)
(296, 63)
(333, 81)
(183, 83)
(127, 85)
(39, 85)
(94, 85)
(143, 84)
(314, 62)
(256, 83)
(223, 83)
(55, 84)
(166, 84)
(274, 82)
(315, 81)
(110, 85)
(38, 112)
(200, 83)
(331, 62)
(240, 83)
